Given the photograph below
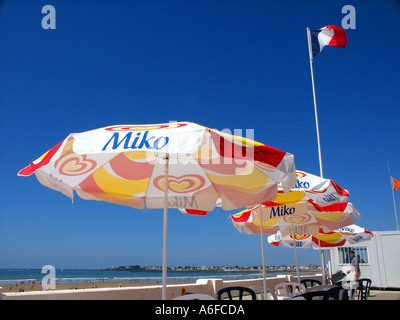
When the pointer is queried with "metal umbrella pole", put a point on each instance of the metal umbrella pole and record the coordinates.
(165, 235)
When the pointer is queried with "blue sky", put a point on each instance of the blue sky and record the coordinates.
(223, 64)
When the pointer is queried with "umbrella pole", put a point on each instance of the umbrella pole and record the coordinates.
(263, 255)
(297, 260)
(165, 237)
(322, 261)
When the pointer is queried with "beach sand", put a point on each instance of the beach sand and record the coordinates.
(75, 286)
(65, 286)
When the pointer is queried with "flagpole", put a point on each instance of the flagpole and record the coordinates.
(315, 101)
(321, 171)
(394, 199)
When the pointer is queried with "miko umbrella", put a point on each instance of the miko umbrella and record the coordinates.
(299, 218)
(171, 165)
(351, 234)
(311, 187)
(295, 219)
(308, 188)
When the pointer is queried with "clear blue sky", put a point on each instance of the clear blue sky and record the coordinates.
(223, 64)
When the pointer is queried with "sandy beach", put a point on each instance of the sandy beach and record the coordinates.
(74, 286)
(26, 287)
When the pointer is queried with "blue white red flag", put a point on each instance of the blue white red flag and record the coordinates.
(327, 36)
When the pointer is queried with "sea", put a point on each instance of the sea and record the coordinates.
(35, 276)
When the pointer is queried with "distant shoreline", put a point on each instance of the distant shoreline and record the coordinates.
(211, 270)
(215, 271)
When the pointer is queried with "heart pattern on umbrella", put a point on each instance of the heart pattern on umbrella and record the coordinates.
(183, 184)
(71, 164)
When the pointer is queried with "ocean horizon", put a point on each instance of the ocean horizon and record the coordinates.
(14, 276)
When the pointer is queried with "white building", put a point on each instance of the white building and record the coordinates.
(379, 259)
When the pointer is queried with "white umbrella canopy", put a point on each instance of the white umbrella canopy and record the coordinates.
(125, 164)
(295, 219)
(313, 188)
(168, 165)
(312, 202)
(351, 234)
(308, 188)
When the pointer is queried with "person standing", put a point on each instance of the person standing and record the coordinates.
(355, 264)
(353, 274)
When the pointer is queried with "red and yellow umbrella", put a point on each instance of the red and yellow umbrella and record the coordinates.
(313, 188)
(125, 165)
(308, 188)
(351, 234)
(295, 219)
(170, 165)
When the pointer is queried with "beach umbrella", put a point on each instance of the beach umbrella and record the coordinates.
(171, 165)
(320, 190)
(294, 219)
(309, 187)
(351, 234)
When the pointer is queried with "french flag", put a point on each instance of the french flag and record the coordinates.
(327, 36)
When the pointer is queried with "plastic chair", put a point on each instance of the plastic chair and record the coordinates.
(337, 277)
(333, 293)
(336, 293)
(312, 295)
(322, 287)
(364, 286)
(265, 292)
(308, 283)
(194, 296)
(237, 292)
(351, 287)
(287, 290)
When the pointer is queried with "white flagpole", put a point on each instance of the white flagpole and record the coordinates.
(315, 100)
(318, 138)
(394, 199)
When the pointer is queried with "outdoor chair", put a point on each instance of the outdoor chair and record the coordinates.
(322, 287)
(266, 294)
(312, 295)
(333, 293)
(337, 277)
(351, 287)
(336, 293)
(287, 290)
(236, 292)
(308, 283)
(194, 296)
(364, 286)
